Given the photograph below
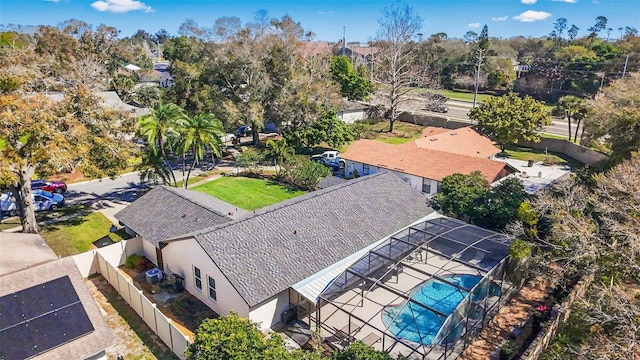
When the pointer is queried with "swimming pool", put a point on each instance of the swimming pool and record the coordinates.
(420, 325)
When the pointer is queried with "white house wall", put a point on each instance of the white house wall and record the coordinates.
(415, 181)
(149, 251)
(180, 257)
(267, 314)
(350, 117)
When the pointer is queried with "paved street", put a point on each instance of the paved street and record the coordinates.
(459, 110)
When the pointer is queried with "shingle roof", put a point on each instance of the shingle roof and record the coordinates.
(280, 245)
(463, 141)
(330, 181)
(84, 346)
(14, 246)
(166, 212)
(431, 164)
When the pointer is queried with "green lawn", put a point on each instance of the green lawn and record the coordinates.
(455, 95)
(525, 154)
(402, 132)
(247, 193)
(75, 235)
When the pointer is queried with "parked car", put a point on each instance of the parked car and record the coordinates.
(437, 107)
(329, 158)
(53, 186)
(243, 131)
(227, 138)
(42, 201)
(45, 200)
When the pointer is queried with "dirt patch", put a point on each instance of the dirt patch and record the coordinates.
(185, 310)
(517, 311)
(134, 339)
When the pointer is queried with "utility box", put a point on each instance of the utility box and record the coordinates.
(153, 276)
(287, 316)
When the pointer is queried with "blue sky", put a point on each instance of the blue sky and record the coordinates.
(326, 18)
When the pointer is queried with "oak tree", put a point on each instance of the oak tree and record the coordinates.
(510, 118)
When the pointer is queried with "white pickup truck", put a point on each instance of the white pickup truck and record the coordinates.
(329, 158)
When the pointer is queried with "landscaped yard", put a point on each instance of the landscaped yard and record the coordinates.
(525, 154)
(247, 193)
(76, 235)
(402, 132)
(464, 96)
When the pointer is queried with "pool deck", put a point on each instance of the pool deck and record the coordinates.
(345, 328)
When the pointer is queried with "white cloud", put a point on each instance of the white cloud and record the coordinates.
(528, 2)
(474, 25)
(566, 1)
(120, 6)
(325, 12)
(501, 18)
(531, 16)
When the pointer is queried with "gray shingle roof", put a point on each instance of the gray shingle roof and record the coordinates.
(280, 245)
(330, 181)
(166, 212)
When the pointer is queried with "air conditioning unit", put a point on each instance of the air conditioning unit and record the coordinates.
(287, 316)
(153, 276)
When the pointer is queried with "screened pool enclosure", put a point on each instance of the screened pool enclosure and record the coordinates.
(423, 292)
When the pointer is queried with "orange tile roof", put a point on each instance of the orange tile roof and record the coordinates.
(427, 163)
(463, 141)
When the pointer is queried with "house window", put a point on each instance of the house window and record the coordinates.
(198, 278)
(365, 169)
(426, 186)
(439, 188)
(212, 289)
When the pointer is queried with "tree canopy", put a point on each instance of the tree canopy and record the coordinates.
(353, 86)
(510, 118)
(615, 118)
(42, 138)
(459, 192)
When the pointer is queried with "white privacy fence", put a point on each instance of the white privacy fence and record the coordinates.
(105, 261)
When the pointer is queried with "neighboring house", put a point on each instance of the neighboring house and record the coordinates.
(259, 264)
(425, 162)
(109, 100)
(315, 48)
(352, 112)
(166, 212)
(46, 310)
(462, 141)
(359, 55)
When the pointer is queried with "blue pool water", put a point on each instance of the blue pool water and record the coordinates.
(415, 323)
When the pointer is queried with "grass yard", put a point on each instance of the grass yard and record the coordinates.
(525, 154)
(402, 132)
(76, 235)
(455, 95)
(247, 193)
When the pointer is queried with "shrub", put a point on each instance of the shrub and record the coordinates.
(135, 261)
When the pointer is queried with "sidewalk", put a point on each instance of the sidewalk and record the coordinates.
(107, 208)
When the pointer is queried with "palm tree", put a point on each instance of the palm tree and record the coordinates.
(164, 120)
(201, 133)
(572, 107)
(153, 169)
(279, 151)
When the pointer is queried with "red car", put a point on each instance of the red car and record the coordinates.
(51, 186)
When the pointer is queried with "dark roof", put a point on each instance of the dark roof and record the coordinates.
(285, 243)
(330, 181)
(166, 212)
(86, 345)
